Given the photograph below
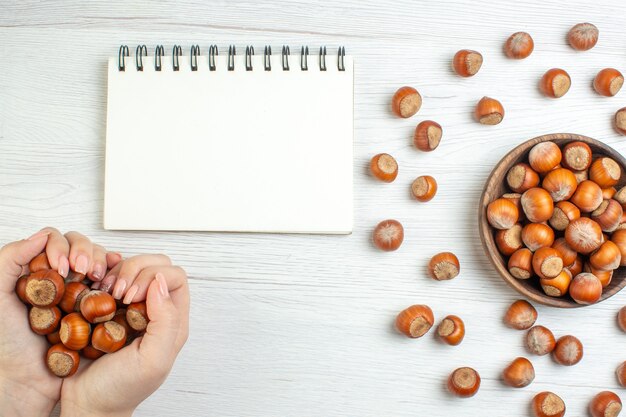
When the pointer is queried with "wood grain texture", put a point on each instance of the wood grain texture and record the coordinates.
(495, 187)
(302, 325)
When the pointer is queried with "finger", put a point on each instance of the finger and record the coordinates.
(174, 277)
(81, 252)
(127, 270)
(158, 345)
(107, 283)
(15, 256)
(99, 263)
(58, 251)
(113, 258)
(176, 281)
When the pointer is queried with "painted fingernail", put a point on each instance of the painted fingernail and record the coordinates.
(130, 294)
(82, 263)
(162, 284)
(118, 289)
(107, 283)
(96, 285)
(39, 235)
(64, 266)
(98, 271)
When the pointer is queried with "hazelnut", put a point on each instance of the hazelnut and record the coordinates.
(444, 266)
(540, 340)
(548, 404)
(605, 404)
(568, 351)
(451, 330)
(384, 167)
(520, 264)
(608, 82)
(415, 321)
(464, 382)
(489, 111)
(406, 102)
(555, 83)
(583, 36)
(388, 235)
(427, 135)
(520, 373)
(519, 45)
(521, 315)
(467, 63)
(577, 156)
(424, 188)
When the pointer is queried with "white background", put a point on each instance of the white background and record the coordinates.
(302, 325)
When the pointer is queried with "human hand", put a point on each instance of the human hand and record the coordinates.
(117, 383)
(26, 385)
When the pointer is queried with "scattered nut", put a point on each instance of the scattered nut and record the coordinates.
(519, 45)
(583, 36)
(424, 188)
(444, 266)
(520, 373)
(464, 382)
(384, 167)
(540, 340)
(568, 351)
(555, 83)
(415, 321)
(388, 235)
(467, 63)
(489, 111)
(406, 102)
(521, 315)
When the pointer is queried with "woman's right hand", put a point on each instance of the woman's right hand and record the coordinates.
(117, 383)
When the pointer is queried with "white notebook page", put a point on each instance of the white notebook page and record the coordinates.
(247, 151)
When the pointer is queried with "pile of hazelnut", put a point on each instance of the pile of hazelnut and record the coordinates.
(75, 319)
(563, 221)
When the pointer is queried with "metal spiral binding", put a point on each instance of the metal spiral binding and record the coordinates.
(267, 58)
(304, 58)
(341, 54)
(213, 52)
(322, 58)
(159, 52)
(176, 52)
(249, 55)
(231, 57)
(139, 53)
(121, 61)
(195, 51)
(285, 58)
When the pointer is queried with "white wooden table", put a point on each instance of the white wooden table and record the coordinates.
(302, 325)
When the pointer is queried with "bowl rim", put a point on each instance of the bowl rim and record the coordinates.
(486, 233)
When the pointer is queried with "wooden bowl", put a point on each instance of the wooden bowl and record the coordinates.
(496, 186)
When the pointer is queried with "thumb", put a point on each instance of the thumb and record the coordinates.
(16, 255)
(158, 345)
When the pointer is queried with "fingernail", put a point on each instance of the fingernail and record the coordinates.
(130, 294)
(82, 263)
(162, 284)
(118, 289)
(98, 271)
(64, 266)
(39, 235)
(96, 285)
(106, 283)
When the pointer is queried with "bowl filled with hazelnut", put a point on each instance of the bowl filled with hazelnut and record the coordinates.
(553, 220)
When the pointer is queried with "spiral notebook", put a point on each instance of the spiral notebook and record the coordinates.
(228, 141)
